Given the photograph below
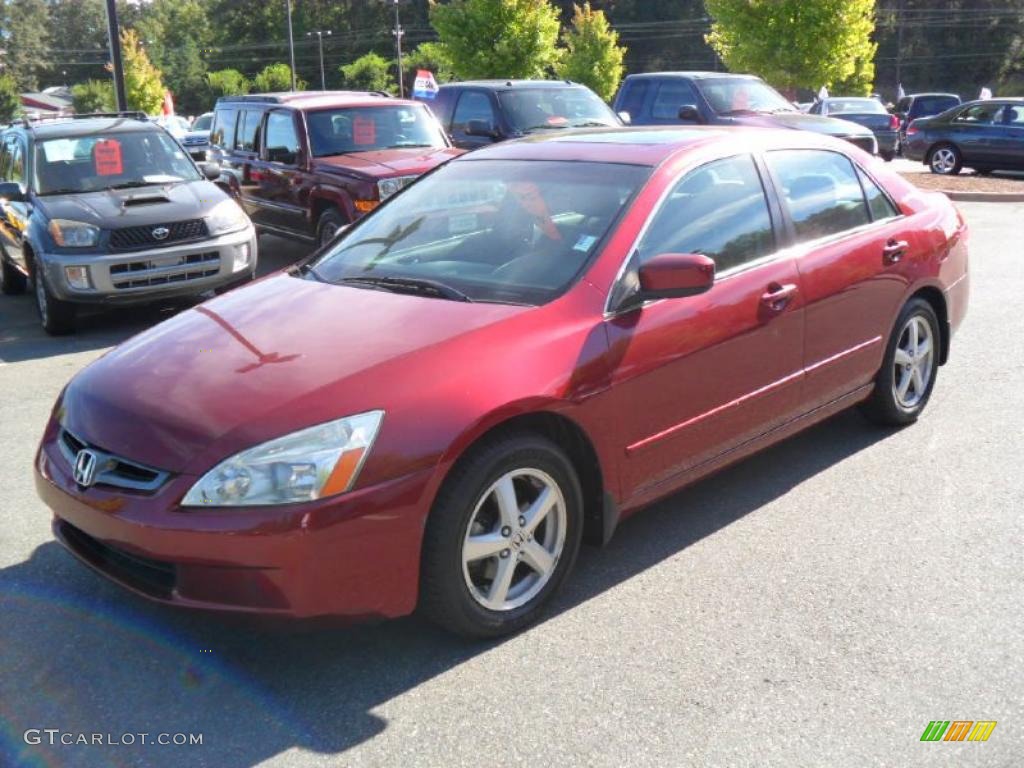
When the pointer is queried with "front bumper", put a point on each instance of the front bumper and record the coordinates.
(352, 557)
(176, 270)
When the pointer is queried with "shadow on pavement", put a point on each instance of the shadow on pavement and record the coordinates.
(22, 338)
(83, 655)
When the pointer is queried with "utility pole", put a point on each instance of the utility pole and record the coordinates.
(117, 65)
(899, 44)
(398, 32)
(291, 40)
(320, 40)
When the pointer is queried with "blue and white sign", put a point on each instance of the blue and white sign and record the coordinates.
(425, 86)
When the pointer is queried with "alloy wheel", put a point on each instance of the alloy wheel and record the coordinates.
(914, 362)
(944, 160)
(514, 539)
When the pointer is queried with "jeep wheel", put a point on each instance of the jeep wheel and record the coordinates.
(331, 222)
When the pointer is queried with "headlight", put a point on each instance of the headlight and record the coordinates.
(309, 464)
(387, 187)
(226, 217)
(73, 234)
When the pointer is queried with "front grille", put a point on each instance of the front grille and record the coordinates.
(112, 470)
(166, 270)
(867, 143)
(194, 141)
(154, 577)
(127, 238)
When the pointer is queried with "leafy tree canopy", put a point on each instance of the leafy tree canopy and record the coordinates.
(227, 82)
(371, 72)
(276, 77)
(10, 98)
(592, 55)
(93, 96)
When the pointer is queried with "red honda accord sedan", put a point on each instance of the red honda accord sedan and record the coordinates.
(516, 352)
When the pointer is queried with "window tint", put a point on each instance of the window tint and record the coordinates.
(980, 114)
(248, 130)
(473, 105)
(15, 170)
(1015, 115)
(821, 190)
(718, 210)
(368, 129)
(634, 93)
(282, 142)
(879, 204)
(671, 95)
(531, 108)
(223, 133)
(5, 158)
(932, 105)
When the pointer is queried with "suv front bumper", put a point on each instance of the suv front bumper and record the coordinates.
(136, 276)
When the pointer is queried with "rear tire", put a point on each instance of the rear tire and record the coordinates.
(888, 156)
(56, 316)
(945, 160)
(502, 536)
(909, 369)
(12, 281)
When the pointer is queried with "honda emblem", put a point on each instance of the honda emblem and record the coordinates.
(85, 467)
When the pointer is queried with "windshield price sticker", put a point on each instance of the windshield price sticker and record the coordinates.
(107, 157)
(364, 130)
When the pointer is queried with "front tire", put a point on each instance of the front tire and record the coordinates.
(503, 534)
(330, 223)
(905, 382)
(945, 160)
(56, 316)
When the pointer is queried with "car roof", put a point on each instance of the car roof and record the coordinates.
(923, 95)
(71, 127)
(697, 75)
(642, 145)
(315, 99)
(505, 84)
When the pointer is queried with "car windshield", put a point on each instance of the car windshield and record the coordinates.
(532, 109)
(366, 129)
(855, 106)
(109, 161)
(515, 232)
(730, 95)
(203, 122)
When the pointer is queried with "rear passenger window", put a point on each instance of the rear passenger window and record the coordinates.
(223, 133)
(473, 105)
(248, 130)
(879, 204)
(634, 93)
(718, 210)
(671, 95)
(821, 191)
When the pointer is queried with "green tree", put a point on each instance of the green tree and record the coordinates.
(10, 98)
(498, 38)
(176, 32)
(429, 56)
(227, 82)
(592, 55)
(797, 43)
(26, 40)
(93, 96)
(276, 77)
(78, 37)
(143, 84)
(370, 72)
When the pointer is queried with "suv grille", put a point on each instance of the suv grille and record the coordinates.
(143, 274)
(128, 238)
(153, 577)
(112, 470)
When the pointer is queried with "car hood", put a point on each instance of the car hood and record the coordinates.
(258, 363)
(829, 126)
(156, 204)
(387, 162)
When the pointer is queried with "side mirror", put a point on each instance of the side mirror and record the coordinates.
(210, 170)
(481, 128)
(626, 118)
(675, 275)
(10, 192)
(690, 114)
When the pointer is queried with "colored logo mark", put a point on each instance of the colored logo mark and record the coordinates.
(958, 730)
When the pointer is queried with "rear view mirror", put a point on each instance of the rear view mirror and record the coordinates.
(626, 118)
(10, 192)
(676, 275)
(690, 114)
(481, 128)
(210, 170)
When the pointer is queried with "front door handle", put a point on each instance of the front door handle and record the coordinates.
(777, 297)
(894, 251)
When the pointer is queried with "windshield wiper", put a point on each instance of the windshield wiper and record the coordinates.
(65, 192)
(543, 127)
(410, 285)
(592, 124)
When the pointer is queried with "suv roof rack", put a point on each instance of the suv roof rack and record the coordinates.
(285, 98)
(135, 115)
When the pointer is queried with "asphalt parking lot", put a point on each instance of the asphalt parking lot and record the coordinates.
(816, 605)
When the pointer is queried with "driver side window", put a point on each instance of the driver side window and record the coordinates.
(473, 105)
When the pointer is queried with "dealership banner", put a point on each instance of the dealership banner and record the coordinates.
(425, 86)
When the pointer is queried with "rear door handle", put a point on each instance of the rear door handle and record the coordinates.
(894, 251)
(777, 297)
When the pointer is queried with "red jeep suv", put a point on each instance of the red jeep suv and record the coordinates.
(306, 164)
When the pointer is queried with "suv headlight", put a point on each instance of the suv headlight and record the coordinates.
(312, 463)
(388, 187)
(226, 217)
(73, 234)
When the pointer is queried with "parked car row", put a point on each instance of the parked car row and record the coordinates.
(984, 135)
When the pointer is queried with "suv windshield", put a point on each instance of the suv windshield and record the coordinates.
(487, 230)
(365, 129)
(730, 95)
(108, 161)
(531, 109)
(203, 122)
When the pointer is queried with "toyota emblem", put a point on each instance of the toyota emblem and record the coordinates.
(160, 233)
(85, 467)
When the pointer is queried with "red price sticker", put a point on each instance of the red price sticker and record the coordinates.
(107, 157)
(364, 130)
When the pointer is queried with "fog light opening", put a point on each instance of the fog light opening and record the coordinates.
(241, 257)
(77, 277)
